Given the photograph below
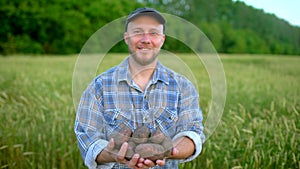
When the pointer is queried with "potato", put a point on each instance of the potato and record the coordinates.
(156, 157)
(141, 135)
(168, 146)
(150, 151)
(129, 154)
(126, 131)
(131, 144)
(121, 136)
(152, 146)
(130, 150)
(157, 137)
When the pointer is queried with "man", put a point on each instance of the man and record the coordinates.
(139, 91)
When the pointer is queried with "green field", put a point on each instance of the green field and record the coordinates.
(260, 126)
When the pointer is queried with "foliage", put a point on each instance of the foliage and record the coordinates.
(259, 128)
(63, 26)
(234, 27)
(56, 26)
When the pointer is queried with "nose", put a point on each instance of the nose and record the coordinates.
(146, 38)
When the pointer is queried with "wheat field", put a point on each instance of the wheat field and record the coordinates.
(260, 126)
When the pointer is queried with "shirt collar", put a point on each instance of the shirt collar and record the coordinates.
(123, 73)
(160, 73)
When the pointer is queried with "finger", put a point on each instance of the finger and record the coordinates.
(161, 162)
(111, 145)
(122, 152)
(140, 165)
(140, 162)
(134, 160)
(135, 167)
(149, 163)
(174, 151)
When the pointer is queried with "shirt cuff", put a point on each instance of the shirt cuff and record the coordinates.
(92, 153)
(195, 137)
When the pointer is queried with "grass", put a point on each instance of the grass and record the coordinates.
(260, 127)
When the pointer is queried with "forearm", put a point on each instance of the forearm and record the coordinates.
(104, 157)
(185, 148)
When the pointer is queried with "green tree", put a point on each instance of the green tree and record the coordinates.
(63, 26)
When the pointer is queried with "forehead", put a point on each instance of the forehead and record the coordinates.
(145, 22)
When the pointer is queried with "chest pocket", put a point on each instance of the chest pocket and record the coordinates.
(167, 120)
(115, 120)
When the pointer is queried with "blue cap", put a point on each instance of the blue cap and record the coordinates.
(145, 11)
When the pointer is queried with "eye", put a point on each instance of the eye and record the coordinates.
(137, 32)
(154, 33)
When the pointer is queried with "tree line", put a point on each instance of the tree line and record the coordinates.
(63, 26)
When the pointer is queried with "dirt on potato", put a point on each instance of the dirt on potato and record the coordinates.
(141, 135)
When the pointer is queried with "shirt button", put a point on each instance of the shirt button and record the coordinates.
(146, 118)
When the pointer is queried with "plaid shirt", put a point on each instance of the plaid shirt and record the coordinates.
(112, 101)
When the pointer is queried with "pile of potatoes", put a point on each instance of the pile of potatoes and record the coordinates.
(148, 145)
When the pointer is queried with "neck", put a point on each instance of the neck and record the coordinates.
(141, 74)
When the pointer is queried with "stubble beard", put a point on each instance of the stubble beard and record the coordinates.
(142, 61)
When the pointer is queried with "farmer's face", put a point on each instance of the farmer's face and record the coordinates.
(144, 38)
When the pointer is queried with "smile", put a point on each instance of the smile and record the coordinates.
(144, 49)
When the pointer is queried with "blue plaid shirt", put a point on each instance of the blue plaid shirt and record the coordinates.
(112, 101)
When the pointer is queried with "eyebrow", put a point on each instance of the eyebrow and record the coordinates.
(152, 29)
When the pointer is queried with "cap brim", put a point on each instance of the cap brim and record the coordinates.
(155, 15)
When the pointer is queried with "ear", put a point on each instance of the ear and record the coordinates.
(125, 37)
(163, 40)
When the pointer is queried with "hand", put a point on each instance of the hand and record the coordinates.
(119, 156)
(161, 162)
(147, 163)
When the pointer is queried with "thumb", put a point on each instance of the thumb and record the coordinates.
(111, 145)
(175, 151)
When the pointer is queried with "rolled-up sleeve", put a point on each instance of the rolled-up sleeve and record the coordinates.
(195, 137)
(92, 154)
(190, 118)
(89, 127)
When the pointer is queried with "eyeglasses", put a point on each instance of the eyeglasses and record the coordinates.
(141, 34)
